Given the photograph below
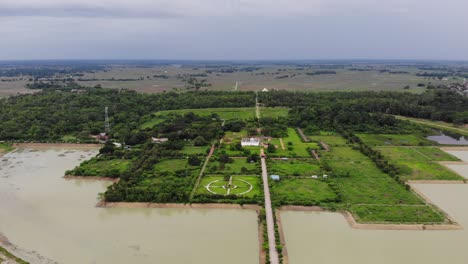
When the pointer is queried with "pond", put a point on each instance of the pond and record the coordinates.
(53, 220)
(326, 238)
(449, 139)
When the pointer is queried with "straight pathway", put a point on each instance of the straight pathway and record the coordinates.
(274, 259)
(303, 136)
(202, 171)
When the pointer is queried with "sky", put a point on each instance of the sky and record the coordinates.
(234, 29)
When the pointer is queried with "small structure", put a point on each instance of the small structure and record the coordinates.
(102, 137)
(314, 177)
(325, 176)
(159, 140)
(117, 145)
(250, 142)
(265, 90)
(275, 177)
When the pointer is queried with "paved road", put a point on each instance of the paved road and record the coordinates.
(269, 216)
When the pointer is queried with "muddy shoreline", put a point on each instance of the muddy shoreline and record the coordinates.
(91, 178)
(377, 226)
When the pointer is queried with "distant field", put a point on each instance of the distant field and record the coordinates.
(420, 163)
(234, 168)
(163, 78)
(223, 113)
(330, 140)
(294, 146)
(394, 139)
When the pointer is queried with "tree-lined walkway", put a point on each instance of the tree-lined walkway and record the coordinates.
(202, 171)
(274, 259)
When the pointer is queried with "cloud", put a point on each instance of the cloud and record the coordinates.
(157, 8)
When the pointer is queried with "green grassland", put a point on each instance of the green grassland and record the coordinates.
(173, 165)
(372, 195)
(420, 163)
(11, 256)
(394, 140)
(5, 147)
(234, 168)
(301, 191)
(273, 112)
(397, 214)
(192, 150)
(362, 182)
(331, 140)
(104, 168)
(294, 146)
(437, 125)
(295, 167)
(241, 186)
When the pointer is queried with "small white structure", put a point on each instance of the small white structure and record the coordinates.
(117, 145)
(250, 142)
(275, 177)
(265, 90)
(159, 140)
(325, 176)
(314, 177)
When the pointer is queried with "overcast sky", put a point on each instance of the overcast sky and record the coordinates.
(233, 29)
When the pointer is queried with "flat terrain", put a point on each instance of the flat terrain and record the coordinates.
(302, 191)
(421, 163)
(437, 124)
(293, 167)
(395, 140)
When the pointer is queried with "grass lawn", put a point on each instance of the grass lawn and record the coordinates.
(69, 138)
(394, 140)
(239, 181)
(294, 146)
(293, 167)
(333, 140)
(301, 191)
(273, 112)
(103, 168)
(5, 147)
(214, 167)
(192, 150)
(421, 163)
(397, 214)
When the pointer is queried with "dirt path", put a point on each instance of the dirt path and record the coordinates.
(274, 259)
(202, 171)
(282, 144)
(303, 136)
(257, 107)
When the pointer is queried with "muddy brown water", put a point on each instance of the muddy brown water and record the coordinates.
(53, 220)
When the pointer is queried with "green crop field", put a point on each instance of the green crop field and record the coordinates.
(362, 182)
(294, 146)
(394, 140)
(172, 165)
(420, 163)
(373, 195)
(215, 167)
(397, 214)
(331, 140)
(294, 167)
(302, 191)
(103, 168)
(242, 182)
(437, 125)
(273, 112)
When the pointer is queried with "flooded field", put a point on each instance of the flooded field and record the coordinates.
(446, 139)
(53, 220)
(461, 168)
(322, 237)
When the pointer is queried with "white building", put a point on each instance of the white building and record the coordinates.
(250, 142)
(159, 140)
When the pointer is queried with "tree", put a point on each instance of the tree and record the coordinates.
(194, 160)
(108, 148)
(199, 141)
(271, 148)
